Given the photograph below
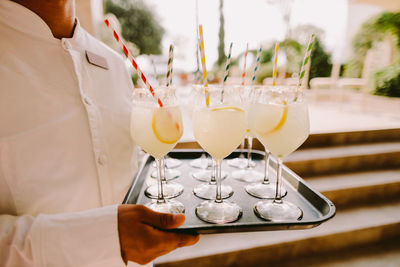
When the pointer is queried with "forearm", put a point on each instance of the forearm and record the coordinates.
(88, 238)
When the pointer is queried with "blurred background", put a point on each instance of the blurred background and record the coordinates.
(353, 153)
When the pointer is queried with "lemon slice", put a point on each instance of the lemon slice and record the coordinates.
(283, 118)
(227, 108)
(167, 125)
(272, 119)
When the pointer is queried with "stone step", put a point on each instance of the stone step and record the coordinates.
(351, 137)
(382, 254)
(358, 188)
(341, 159)
(349, 229)
(345, 138)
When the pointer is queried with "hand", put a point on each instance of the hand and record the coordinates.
(141, 237)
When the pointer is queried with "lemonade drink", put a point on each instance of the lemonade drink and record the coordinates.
(280, 127)
(219, 125)
(156, 129)
(219, 130)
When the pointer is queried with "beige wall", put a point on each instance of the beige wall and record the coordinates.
(390, 5)
(90, 14)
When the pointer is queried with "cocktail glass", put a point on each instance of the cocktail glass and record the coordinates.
(278, 116)
(156, 130)
(248, 174)
(219, 125)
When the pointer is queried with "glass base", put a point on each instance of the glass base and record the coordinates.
(170, 190)
(277, 212)
(170, 174)
(168, 206)
(239, 163)
(201, 163)
(218, 212)
(170, 163)
(248, 176)
(205, 175)
(262, 190)
(208, 191)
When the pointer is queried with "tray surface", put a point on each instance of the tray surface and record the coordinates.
(316, 208)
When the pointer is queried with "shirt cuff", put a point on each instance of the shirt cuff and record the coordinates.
(87, 238)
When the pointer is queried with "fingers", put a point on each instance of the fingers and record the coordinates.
(161, 220)
(177, 240)
(188, 240)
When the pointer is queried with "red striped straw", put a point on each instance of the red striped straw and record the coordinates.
(132, 60)
(244, 68)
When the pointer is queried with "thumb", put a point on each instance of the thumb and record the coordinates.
(162, 220)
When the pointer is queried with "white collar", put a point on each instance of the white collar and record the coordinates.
(24, 20)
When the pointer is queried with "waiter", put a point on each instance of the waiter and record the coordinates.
(66, 155)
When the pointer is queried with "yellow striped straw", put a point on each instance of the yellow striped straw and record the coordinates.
(203, 63)
(275, 69)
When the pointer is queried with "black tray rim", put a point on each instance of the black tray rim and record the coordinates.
(229, 228)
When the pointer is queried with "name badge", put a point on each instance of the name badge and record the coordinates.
(96, 60)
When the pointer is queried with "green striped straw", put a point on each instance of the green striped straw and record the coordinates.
(228, 63)
(227, 67)
(305, 61)
(170, 60)
(257, 64)
(275, 69)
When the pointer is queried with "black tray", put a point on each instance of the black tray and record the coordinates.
(316, 208)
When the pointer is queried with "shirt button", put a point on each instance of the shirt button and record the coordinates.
(87, 100)
(66, 44)
(102, 160)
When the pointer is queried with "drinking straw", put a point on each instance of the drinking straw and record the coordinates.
(203, 63)
(170, 69)
(257, 66)
(305, 61)
(226, 74)
(228, 64)
(197, 72)
(244, 68)
(275, 69)
(132, 60)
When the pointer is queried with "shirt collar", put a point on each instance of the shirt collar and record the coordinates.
(24, 20)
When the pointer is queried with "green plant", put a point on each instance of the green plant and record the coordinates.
(264, 72)
(293, 51)
(320, 61)
(267, 55)
(135, 78)
(387, 81)
(138, 24)
(386, 24)
(221, 36)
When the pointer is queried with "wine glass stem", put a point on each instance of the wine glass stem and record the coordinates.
(218, 163)
(163, 169)
(213, 173)
(266, 166)
(160, 174)
(278, 196)
(249, 147)
(241, 148)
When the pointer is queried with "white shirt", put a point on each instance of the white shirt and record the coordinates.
(66, 155)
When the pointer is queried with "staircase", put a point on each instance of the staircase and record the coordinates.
(360, 173)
